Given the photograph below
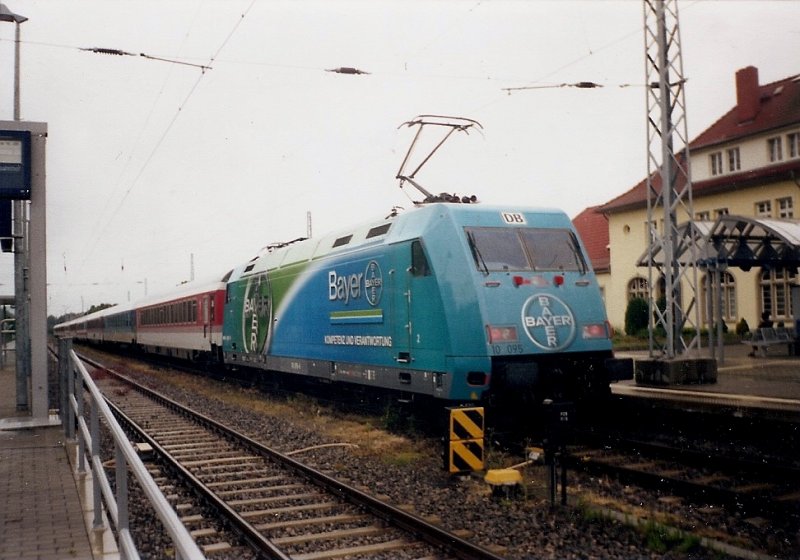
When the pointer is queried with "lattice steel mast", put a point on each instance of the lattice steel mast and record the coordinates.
(669, 186)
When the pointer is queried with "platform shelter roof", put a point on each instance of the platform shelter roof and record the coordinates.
(735, 241)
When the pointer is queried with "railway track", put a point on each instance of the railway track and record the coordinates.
(753, 487)
(263, 500)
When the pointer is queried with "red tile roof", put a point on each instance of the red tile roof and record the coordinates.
(777, 105)
(592, 227)
(758, 110)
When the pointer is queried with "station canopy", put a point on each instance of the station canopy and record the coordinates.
(734, 241)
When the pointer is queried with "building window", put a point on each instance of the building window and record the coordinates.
(776, 293)
(716, 163)
(728, 289)
(638, 288)
(785, 207)
(775, 149)
(793, 140)
(734, 164)
(720, 212)
(703, 216)
(764, 209)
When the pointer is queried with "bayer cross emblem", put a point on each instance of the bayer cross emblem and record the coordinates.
(548, 322)
(256, 314)
(373, 283)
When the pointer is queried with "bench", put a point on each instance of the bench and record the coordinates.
(765, 337)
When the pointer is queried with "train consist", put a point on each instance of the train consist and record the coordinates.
(458, 302)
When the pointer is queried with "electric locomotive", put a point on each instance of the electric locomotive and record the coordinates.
(451, 301)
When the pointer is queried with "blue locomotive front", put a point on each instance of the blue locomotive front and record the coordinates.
(546, 326)
(520, 296)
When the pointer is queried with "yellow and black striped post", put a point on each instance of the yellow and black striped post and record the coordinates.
(466, 440)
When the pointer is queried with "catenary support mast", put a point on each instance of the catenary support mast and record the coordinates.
(672, 282)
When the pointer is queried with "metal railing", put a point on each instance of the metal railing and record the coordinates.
(78, 391)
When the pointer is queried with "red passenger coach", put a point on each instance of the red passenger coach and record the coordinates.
(185, 325)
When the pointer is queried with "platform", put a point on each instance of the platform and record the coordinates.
(41, 514)
(767, 383)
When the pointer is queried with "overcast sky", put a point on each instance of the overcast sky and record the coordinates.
(152, 165)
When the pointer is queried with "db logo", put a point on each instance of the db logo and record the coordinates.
(514, 218)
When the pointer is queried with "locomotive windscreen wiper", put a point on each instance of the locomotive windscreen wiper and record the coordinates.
(476, 253)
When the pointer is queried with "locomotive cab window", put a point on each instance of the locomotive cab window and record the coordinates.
(497, 249)
(419, 262)
(515, 249)
(553, 249)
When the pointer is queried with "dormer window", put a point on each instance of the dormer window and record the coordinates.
(716, 163)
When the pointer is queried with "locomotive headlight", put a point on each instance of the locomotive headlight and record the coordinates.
(497, 334)
(596, 330)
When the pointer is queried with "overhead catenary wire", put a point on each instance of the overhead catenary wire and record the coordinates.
(119, 52)
(135, 143)
(578, 85)
(376, 67)
(166, 131)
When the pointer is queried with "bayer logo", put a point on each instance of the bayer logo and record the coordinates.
(548, 322)
(373, 283)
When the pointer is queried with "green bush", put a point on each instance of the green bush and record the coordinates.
(636, 316)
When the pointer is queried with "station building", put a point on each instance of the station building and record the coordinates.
(745, 164)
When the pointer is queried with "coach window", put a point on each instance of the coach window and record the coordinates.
(419, 262)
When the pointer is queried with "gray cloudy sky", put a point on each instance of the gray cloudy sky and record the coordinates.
(151, 162)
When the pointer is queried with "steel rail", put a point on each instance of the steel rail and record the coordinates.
(125, 455)
(408, 522)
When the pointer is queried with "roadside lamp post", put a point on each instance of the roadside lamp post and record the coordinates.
(8, 15)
